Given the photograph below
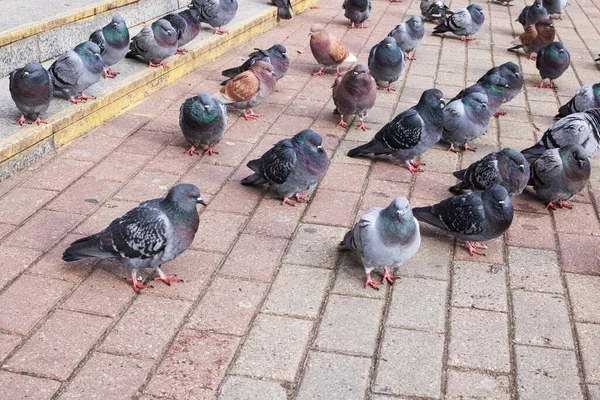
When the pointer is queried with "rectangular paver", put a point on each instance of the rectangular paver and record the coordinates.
(242, 388)
(481, 286)
(315, 245)
(584, 294)
(534, 269)
(476, 385)
(15, 386)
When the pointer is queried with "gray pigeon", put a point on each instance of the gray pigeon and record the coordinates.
(555, 6)
(410, 133)
(464, 22)
(496, 88)
(434, 10)
(465, 120)
(76, 70)
(154, 43)
(354, 94)
(284, 8)
(113, 41)
(409, 35)
(507, 168)
(275, 55)
(203, 121)
(514, 79)
(532, 14)
(384, 238)
(155, 232)
(552, 61)
(357, 11)
(327, 50)
(579, 128)
(31, 89)
(386, 62)
(216, 13)
(559, 174)
(586, 98)
(187, 25)
(291, 166)
(471, 217)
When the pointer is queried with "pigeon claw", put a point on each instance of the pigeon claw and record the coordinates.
(288, 201)
(466, 38)
(301, 197)
(191, 151)
(318, 73)
(507, 4)
(452, 148)
(387, 277)
(532, 57)
(137, 285)
(342, 123)
(110, 74)
(84, 97)
(21, 121)
(416, 163)
(181, 51)
(467, 147)
(371, 283)
(167, 279)
(363, 126)
(499, 113)
(74, 100)
(210, 150)
(472, 247)
(39, 121)
(219, 31)
(160, 64)
(551, 206)
(337, 71)
(251, 115)
(389, 87)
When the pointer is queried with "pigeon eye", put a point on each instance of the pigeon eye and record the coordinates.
(189, 196)
(311, 142)
(406, 207)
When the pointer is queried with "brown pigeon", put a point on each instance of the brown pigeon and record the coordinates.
(354, 93)
(535, 37)
(327, 50)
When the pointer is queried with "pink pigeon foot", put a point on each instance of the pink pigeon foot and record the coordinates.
(411, 168)
(181, 51)
(564, 204)
(337, 71)
(388, 277)
(288, 201)
(210, 150)
(301, 197)
(38, 121)
(372, 283)
(560, 17)
(85, 97)
(136, 284)
(452, 148)
(318, 73)
(467, 147)
(167, 279)
(363, 126)
(466, 38)
(389, 87)
(552, 85)
(541, 84)
(21, 120)
(551, 206)
(342, 123)
(160, 64)
(507, 4)
(251, 115)
(219, 31)
(532, 57)
(351, 26)
(363, 26)
(472, 247)
(416, 163)
(75, 101)
(110, 74)
(499, 113)
(191, 151)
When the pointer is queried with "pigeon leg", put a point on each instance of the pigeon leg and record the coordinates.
(342, 123)
(479, 245)
(109, 73)
(552, 85)
(351, 26)
(84, 97)
(337, 71)
(191, 151)
(73, 100)
(219, 31)
(210, 150)
(452, 148)
(167, 279)
(136, 284)
(466, 38)
(507, 4)
(363, 26)
(363, 126)
(38, 121)
(251, 115)
(416, 163)
(467, 147)
(551, 206)
(160, 64)
(21, 120)
(389, 87)
(499, 113)
(564, 204)
(472, 249)
(410, 57)
(319, 72)
(411, 168)
(181, 51)
(541, 85)
(301, 197)
(288, 201)
(560, 17)
(532, 57)
(389, 278)
(371, 282)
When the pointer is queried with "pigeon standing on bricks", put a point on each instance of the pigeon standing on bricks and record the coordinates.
(216, 13)
(552, 61)
(327, 50)
(530, 15)
(357, 11)
(409, 35)
(284, 8)
(203, 121)
(31, 89)
(465, 120)
(555, 7)
(155, 232)
(464, 22)
(434, 11)
(494, 86)
(354, 94)
(154, 43)
(514, 79)
(113, 41)
(187, 25)
(386, 62)
(384, 238)
(535, 37)
(586, 98)
(276, 55)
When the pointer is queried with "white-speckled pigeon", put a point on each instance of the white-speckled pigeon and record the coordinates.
(434, 10)
(216, 13)
(113, 41)
(154, 43)
(586, 98)
(409, 35)
(275, 55)
(552, 61)
(354, 94)
(187, 25)
(386, 62)
(464, 22)
(532, 14)
(203, 120)
(465, 120)
(31, 89)
(357, 11)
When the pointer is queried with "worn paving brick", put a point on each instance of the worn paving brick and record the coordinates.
(481, 286)
(14, 261)
(582, 221)
(382, 193)
(236, 198)
(271, 218)
(83, 196)
(584, 294)
(541, 319)
(145, 142)
(217, 231)
(589, 341)
(578, 253)
(92, 147)
(118, 166)
(433, 260)
(146, 185)
(242, 388)
(43, 230)
(58, 174)
(341, 177)
(209, 178)
(432, 186)
(8, 344)
(350, 278)
(51, 264)
(20, 203)
(17, 386)
(543, 275)
(332, 208)
(531, 230)
(494, 254)
(254, 257)
(594, 391)
(476, 385)
(315, 245)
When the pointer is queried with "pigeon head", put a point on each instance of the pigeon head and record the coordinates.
(515, 159)
(262, 67)
(32, 71)
(116, 32)
(164, 33)
(511, 72)
(91, 54)
(497, 86)
(575, 157)
(401, 209)
(186, 196)
(497, 198)
(279, 49)
(117, 21)
(476, 100)
(315, 28)
(538, 4)
(433, 98)
(309, 139)
(359, 72)
(476, 12)
(545, 27)
(389, 43)
(415, 24)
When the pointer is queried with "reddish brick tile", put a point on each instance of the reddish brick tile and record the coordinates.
(171, 160)
(118, 166)
(387, 171)
(43, 230)
(254, 257)
(315, 245)
(147, 327)
(151, 107)
(59, 345)
(94, 147)
(209, 178)
(382, 193)
(332, 208)
(102, 217)
(231, 153)
(58, 175)
(147, 185)
(51, 264)
(83, 196)
(14, 261)
(167, 122)
(271, 218)
(106, 376)
(345, 177)
(578, 253)
(20, 203)
(531, 230)
(433, 186)
(581, 220)
(283, 96)
(194, 366)
(17, 386)
(239, 131)
(228, 306)
(285, 122)
(315, 92)
(5, 229)
(217, 231)
(528, 202)
(7, 344)
(145, 142)
(121, 126)
(236, 198)
(493, 254)
(304, 108)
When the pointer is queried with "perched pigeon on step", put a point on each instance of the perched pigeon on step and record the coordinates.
(409, 35)
(471, 217)
(507, 168)
(113, 41)
(464, 22)
(357, 11)
(354, 94)
(386, 62)
(384, 238)
(586, 98)
(555, 6)
(31, 89)
(216, 13)
(552, 61)
(284, 8)
(579, 128)
(410, 133)
(465, 120)
(514, 79)
(559, 174)
(276, 55)
(291, 166)
(76, 70)
(154, 43)
(535, 37)
(203, 121)
(327, 50)
(495, 87)
(187, 25)
(434, 10)
(155, 232)
(530, 15)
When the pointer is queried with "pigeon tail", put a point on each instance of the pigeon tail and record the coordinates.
(219, 96)
(351, 58)
(254, 180)
(441, 28)
(534, 152)
(566, 109)
(284, 12)
(424, 214)
(373, 147)
(232, 72)
(86, 247)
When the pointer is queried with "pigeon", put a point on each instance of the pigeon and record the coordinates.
(249, 89)
(76, 70)
(384, 238)
(507, 168)
(586, 98)
(187, 25)
(31, 89)
(494, 86)
(154, 43)
(113, 41)
(464, 22)
(555, 7)
(357, 11)
(552, 61)
(354, 94)
(153, 233)
(327, 50)
(284, 8)
(409, 35)
(465, 120)
(579, 128)
(203, 121)
(386, 62)
(276, 55)
(434, 10)
(532, 14)
(216, 13)
(471, 217)
(559, 174)
(535, 37)
(410, 133)
(291, 166)
(514, 79)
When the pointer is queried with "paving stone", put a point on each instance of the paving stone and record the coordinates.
(146, 328)
(254, 257)
(217, 231)
(145, 142)
(578, 254)
(418, 304)
(584, 294)
(410, 363)
(481, 286)
(241, 388)
(582, 222)
(20, 203)
(494, 254)
(332, 208)
(475, 385)
(106, 376)
(385, 171)
(83, 196)
(51, 264)
(350, 314)
(315, 245)
(433, 260)
(93, 147)
(273, 348)
(193, 366)
(432, 186)
(543, 275)
(541, 319)
(171, 160)
(479, 339)
(146, 185)
(58, 174)
(297, 291)
(209, 178)
(59, 345)
(594, 391)
(272, 219)
(589, 341)
(341, 177)
(382, 193)
(8, 344)
(228, 306)
(531, 230)
(334, 376)
(546, 373)
(43, 230)
(14, 261)
(236, 198)
(17, 386)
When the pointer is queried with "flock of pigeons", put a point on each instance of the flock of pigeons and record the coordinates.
(157, 231)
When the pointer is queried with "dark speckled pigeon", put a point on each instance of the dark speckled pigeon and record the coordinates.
(386, 62)
(532, 14)
(586, 98)
(464, 22)
(31, 89)
(216, 13)
(465, 120)
(354, 94)
(187, 25)
(275, 55)
(434, 10)
(357, 11)
(154, 43)
(203, 120)
(409, 35)
(113, 41)
(552, 61)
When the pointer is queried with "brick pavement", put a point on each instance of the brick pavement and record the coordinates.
(269, 308)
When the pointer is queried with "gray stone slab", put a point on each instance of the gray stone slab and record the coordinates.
(315, 245)
(464, 385)
(17, 54)
(242, 388)
(589, 342)
(594, 391)
(534, 269)
(585, 296)
(479, 285)
(13, 14)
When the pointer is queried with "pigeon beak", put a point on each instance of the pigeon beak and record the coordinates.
(501, 202)
(206, 106)
(400, 213)
(522, 168)
(25, 73)
(201, 201)
(442, 102)
(580, 162)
